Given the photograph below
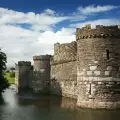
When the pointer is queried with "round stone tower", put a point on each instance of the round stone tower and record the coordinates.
(98, 69)
(41, 74)
(42, 63)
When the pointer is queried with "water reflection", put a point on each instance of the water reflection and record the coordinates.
(2, 102)
(98, 114)
(48, 108)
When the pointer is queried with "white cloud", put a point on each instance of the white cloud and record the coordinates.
(44, 20)
(22, 44)
(37, 27)
(62, 36)
(49, 11)
(105, 22)
(16, 41)
(96, 9)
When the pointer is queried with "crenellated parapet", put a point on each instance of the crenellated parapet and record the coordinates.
(98, 32)
(64, 52)
(24, 63)
(42, 57)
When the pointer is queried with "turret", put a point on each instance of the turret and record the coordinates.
(41, 62)
(41, 73)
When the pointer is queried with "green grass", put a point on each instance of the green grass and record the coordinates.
(10, 79)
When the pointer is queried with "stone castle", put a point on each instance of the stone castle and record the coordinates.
(87, 69)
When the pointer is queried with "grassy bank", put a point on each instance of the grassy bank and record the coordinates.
(10, 79)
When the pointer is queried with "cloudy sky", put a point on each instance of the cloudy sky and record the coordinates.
(31, 27)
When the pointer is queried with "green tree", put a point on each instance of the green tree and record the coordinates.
(3, 82)
(12, 74)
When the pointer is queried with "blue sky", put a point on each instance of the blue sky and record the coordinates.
(38, 5)
(31, 27)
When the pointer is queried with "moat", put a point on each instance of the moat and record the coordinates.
(49, 108)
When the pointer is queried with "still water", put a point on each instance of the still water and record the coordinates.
(14, 107)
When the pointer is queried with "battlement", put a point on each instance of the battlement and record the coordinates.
(99, 31)
(42, 57)
(64, 44)
(24, 63)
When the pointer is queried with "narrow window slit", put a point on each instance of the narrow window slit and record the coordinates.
(90, 89)
(107, 54)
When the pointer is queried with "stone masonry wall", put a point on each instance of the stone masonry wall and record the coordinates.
(64, 70)
(98, 71)
(16, 76)
(40, 83)
(64, 79)
(23, 75)
(65, 52)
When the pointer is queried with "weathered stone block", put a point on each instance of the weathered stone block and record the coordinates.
(99, 83)
(96, 78)
(109, 68)
(95, 62)
(93, 67)
(89, 73)
(97, 73)
(107, 73)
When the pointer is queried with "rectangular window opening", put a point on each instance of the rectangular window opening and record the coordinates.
(107, 54)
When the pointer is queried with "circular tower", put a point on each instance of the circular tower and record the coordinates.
(41, 81)
(42, 63)
(98, 69)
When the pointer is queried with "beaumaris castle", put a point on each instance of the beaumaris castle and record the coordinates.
(87, 69)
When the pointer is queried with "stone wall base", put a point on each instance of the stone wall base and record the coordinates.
(64, 95)
(69, 95)
(99, 105)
